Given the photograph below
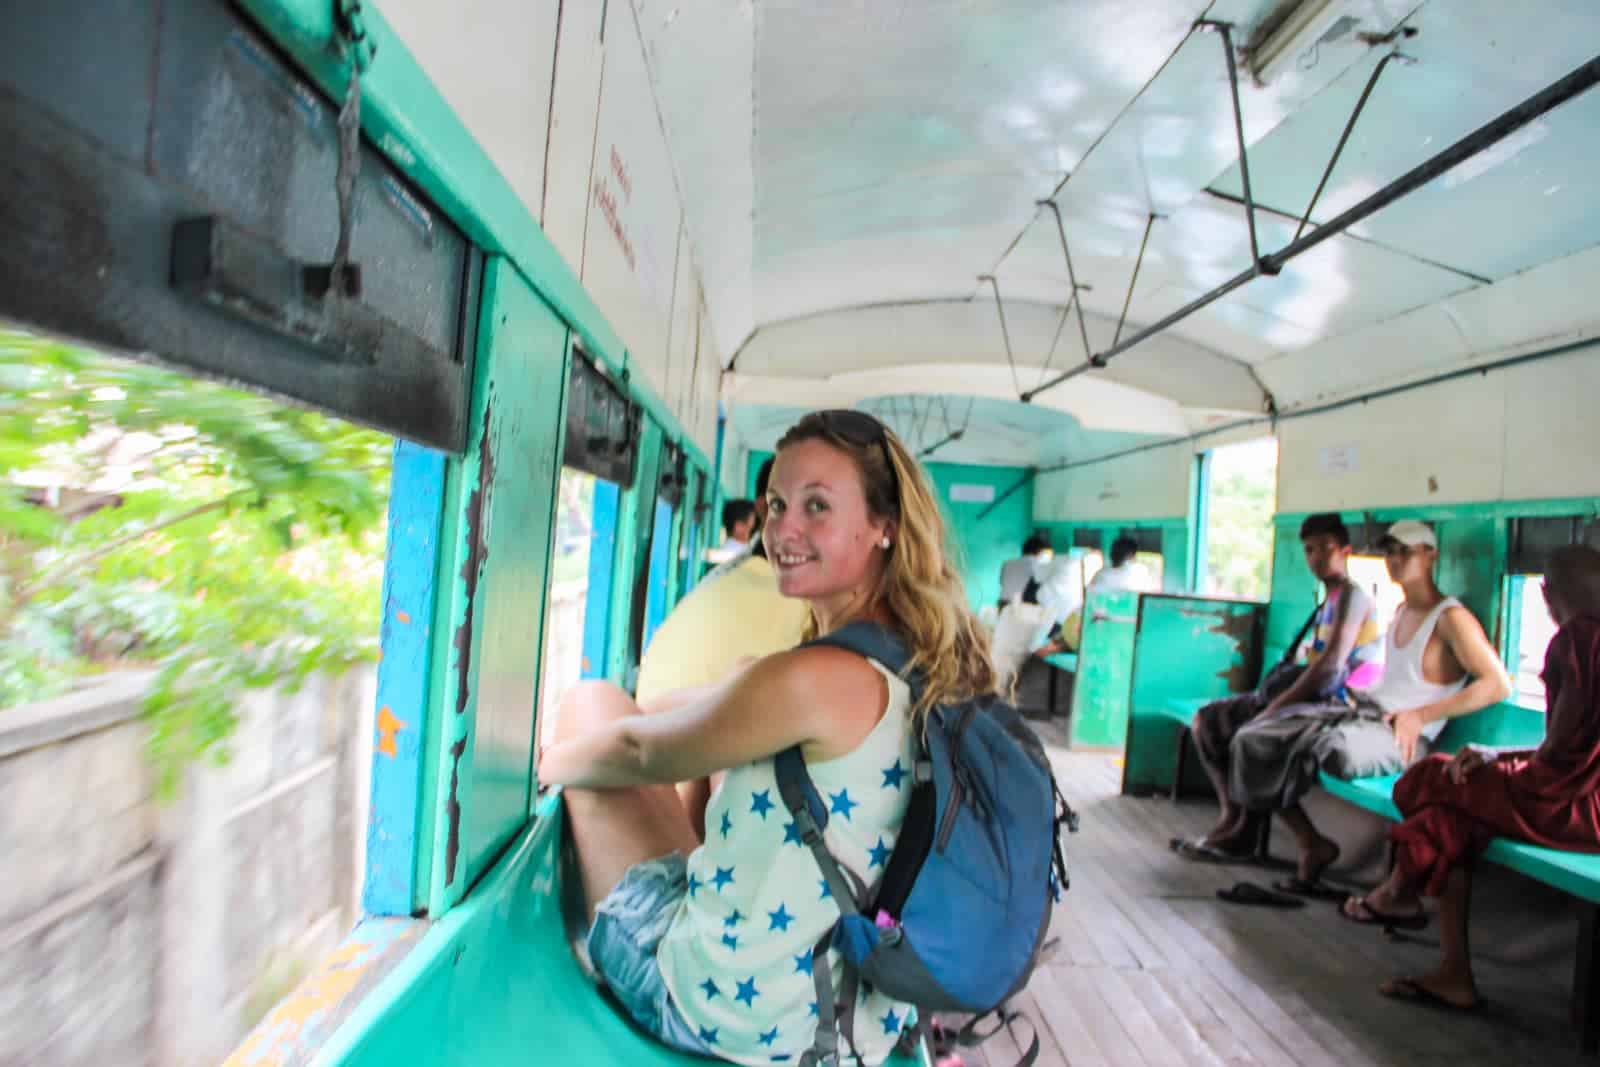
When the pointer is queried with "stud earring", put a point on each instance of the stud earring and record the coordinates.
(884, 542)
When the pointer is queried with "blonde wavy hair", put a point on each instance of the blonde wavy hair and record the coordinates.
(918, 588)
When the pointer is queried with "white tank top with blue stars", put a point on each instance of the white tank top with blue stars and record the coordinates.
(737, 958)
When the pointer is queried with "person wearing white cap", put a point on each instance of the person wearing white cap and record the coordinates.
(1438, 665)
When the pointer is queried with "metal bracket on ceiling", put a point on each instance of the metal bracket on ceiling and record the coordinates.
(1005, 333)
(1127, 301)
(1344, 137)
(1225, 31)
(1074, 300)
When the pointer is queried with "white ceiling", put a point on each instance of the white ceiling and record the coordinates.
(849, 168)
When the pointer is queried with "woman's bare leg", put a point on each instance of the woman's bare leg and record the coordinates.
(614, 829)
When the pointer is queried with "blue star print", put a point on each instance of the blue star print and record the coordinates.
(710, 988)
(727, 824)
(840, 803)
(802, 964)
(791, 832)
(734, 919)
(891, 1022)
(723, 878)
(761, 803)
(694, 885)
(826, 892)
(732, 941)
(708, 1034)
(813, 1009)
(879, 854)
(780, 919)
(748, 992)
(892, 776)
(769, 1037)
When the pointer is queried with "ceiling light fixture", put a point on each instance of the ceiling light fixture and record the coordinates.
(1294, 38)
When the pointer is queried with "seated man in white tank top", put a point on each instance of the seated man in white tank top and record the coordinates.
(1439, 665)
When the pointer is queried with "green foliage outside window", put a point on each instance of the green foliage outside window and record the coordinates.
(227, 541)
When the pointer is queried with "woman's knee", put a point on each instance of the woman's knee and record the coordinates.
(591, 702)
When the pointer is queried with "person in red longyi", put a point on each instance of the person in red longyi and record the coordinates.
(1455, 805)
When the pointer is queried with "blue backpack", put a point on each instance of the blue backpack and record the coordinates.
(960, 916)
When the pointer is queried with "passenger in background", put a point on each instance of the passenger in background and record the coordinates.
(1433, 647)
(1125, 572)
(734, 616)
(1344, 635)
(754, 547)
(1454, 806)
(1015, 574)
(1033, 624)
(739, 523)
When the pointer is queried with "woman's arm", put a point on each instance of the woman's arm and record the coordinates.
(826, 698)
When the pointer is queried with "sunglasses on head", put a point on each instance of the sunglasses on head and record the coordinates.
(859, 429)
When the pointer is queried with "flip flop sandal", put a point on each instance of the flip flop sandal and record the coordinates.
(1317, 890)
(1254, 895)
(1413, 992)
(1203, 853)
(1374, 917)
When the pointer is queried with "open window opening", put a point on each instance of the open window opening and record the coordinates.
(1239, 483)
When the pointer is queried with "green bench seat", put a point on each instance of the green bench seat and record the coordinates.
(493, 983)
(1066, 661)
(1501, 726)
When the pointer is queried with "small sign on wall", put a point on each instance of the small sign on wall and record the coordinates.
(967, 493)
(1339, 459)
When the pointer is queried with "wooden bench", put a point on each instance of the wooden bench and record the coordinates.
(1576, 874)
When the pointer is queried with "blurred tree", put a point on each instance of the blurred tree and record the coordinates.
(220, 537)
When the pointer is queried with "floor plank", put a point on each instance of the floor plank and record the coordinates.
(1150, 969)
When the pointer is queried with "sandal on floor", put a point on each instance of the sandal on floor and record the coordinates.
(1200, 852)
(1254, 895)
(1315, 890)
(1414, 992)
(1373, 917)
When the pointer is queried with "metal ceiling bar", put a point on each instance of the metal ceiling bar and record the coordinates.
(1072, 279)
(1000, 307)
(1127, 301)
(1476, 369)
(1225, 31)
(950, 438)
(1344, 138)
(1009, 493)
(1579, 81)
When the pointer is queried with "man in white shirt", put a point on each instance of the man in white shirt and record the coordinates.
(1015, 574)
(1124, 572)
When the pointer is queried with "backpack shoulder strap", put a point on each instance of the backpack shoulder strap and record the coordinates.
(870, 639)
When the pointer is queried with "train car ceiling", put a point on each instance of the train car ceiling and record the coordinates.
(849, 173)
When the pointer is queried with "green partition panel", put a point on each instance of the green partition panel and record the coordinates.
(1187, 648)
(1105, 669)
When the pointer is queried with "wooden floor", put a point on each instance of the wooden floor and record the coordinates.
(1150, 968)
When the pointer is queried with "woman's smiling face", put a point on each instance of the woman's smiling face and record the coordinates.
(821, 539)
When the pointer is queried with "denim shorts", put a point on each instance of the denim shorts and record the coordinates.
(628, 927)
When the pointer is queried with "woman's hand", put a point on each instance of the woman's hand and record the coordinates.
(1465, 762)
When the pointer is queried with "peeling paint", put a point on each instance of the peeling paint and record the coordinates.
(403, 616)
(452, 848)
(388, 727)
(300, 1023)
(477, 556)
(1240, 628)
